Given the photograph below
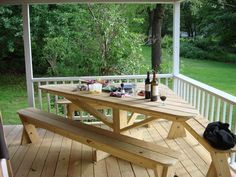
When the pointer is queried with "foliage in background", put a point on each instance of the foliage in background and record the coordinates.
(11, 51)
(94, 40)
(205, 49)
(101, 39)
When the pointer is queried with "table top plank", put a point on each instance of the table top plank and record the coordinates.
(175, 108)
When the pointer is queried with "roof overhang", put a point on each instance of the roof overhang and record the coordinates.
(20, 2)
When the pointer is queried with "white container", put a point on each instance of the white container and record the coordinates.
(95, 88)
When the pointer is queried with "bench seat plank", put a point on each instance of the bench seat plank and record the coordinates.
(120, 137)
(144, 154)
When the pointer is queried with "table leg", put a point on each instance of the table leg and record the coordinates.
(98, 155)
(120, 120)
(177, 130)
(221, 166)
(70, 111)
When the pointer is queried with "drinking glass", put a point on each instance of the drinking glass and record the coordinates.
(163, 95)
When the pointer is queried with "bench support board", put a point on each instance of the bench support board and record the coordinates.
(29, 134)
(177, 130)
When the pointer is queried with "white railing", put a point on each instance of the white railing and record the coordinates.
(213, 104)
(51, 100)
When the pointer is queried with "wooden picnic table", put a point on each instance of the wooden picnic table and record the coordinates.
(175, 109)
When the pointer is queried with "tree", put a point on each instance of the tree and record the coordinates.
(156, 23)
(218, 20)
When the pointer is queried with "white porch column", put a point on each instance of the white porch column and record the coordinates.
(176, 41)
(28, 54)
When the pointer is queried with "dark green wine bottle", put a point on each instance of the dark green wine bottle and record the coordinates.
(154, 88)
(147, 86)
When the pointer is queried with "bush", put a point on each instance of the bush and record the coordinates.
(204, 49)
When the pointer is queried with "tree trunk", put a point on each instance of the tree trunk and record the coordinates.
(158, 14)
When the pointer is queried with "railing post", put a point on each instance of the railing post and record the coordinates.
(176, 41)
(28, 54)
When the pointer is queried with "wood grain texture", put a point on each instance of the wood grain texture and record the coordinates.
(156, 134)
(127, 149)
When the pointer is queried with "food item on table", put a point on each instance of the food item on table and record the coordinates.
(118, 94)
(141, 93)
(147, 86)
(154, 88)
(109, 88)
(83, 88)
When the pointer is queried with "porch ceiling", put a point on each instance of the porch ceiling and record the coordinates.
(20, 2)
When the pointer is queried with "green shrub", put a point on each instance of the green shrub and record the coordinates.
(205, 49)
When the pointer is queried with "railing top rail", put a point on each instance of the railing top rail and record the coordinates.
(51, 79)
(223, 95)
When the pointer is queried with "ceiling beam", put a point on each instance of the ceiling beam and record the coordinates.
(21, 2)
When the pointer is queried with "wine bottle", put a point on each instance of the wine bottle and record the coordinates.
(122, 87)
(147, 86)
(154, 88)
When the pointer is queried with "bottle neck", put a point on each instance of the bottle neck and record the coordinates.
(154, 76)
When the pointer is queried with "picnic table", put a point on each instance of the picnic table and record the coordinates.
(175, 109)
(182, 114)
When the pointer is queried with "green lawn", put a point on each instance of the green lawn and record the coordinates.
(216, 74)
(219, 75)
(13, 97)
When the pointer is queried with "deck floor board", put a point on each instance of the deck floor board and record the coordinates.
(61, 157)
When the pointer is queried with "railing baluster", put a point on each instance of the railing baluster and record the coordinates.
(182, 89)
(199, 99)
(40, 96)
(48, 99)
(56, 100)
(178, 86)
(167, 82)
(233, 129)
(191, 95)
(212, 108)
(224, 112)
(230, 116)
(187, 95)
(203, 103)
(218, 109)
(207, 106)
(184, 92)
(195, 97)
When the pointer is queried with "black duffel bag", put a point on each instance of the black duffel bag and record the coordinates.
(219, 135)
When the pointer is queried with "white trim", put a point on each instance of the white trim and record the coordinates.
(28, 55)
(3, 166)
(52, 79)
(176, 42)
(176, 37)
(216, 92)
(20, 2)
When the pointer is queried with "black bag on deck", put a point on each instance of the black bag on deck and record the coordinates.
(219, 135)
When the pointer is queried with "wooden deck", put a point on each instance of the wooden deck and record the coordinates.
(58, 156)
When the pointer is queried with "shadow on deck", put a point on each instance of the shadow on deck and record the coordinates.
(59, 156)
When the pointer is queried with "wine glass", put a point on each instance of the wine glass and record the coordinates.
(163, 95)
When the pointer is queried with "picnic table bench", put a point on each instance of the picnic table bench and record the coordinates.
(148, 155)
(219, 166)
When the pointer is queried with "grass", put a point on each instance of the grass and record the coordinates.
(13, 97)
(217, 74)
